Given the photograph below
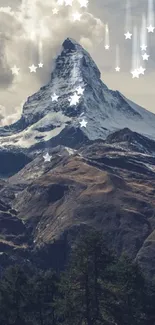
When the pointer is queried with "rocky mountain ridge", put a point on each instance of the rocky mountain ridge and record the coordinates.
(46, 123)
(101, 176)
(99, 185)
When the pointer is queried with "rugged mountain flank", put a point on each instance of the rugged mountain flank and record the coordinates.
(48, 123)
(101, 175)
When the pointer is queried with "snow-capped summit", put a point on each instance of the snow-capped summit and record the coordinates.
(74, 68)
(75, 63)
(74, 93)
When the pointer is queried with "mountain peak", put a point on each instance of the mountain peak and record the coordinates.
(57, 121)
(75, 63)
(71, 45)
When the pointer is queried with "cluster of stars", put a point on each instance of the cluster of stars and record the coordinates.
(135, 73)
(74, 100)
(32, 68)
(139, 71)
(128, 36)
(76, 16)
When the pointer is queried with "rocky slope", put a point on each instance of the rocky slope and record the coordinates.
(100, 185)
(101, 176)
(46, 122)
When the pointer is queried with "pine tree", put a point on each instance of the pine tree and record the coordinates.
(13, 295)
(130, 290)
(83, 283)
(42, 295)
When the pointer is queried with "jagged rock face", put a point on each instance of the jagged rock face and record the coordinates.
(51, 123)
(100, 185)
(102, 182)
(11, 163)
(132, 140)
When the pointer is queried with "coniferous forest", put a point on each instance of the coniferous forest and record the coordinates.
(96, 288)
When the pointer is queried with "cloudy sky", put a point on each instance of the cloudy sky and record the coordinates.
(30, 32)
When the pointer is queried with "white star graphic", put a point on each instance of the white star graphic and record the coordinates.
(135, 73)
(145, 57)
(150, 29)
(128, 35)
(83, 3)
(33, 68)
(74, 99)
(107, 47)
(15, 70)
(83, 123)
(141, 70)
(40, 65)
(80, 90)
(54, 97)
(117, 69)
(55, 11)
(143, 47)
(68, 2)
(76, 16)
(47, 157)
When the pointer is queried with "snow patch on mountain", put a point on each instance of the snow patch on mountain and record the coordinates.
(70, 151)
(56, 122)
(148, 124)
(105, 111)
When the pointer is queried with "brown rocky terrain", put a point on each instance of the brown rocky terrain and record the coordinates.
(105, 179)
(46, 204)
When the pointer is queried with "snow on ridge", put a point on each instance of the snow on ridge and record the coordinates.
(104, 110)
(27, 137)
(149, 166)
(70, 151)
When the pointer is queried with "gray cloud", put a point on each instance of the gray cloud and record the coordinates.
(20, 47)
(139, 90)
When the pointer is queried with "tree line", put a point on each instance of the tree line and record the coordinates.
(96, 288)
